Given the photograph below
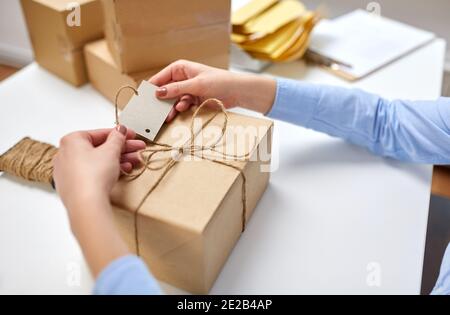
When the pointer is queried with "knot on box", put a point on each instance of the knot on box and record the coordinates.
(30, 160)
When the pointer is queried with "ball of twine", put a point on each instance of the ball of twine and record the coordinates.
(31, 160)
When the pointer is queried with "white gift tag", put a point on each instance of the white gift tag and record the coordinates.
(145, 113)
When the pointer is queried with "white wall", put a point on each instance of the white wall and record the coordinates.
(15, 48)
(433, 15)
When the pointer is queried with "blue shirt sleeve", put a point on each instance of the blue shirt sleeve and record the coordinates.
(443, 282)
(126, 275)
(411, 131)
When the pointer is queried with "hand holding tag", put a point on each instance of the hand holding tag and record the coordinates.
(145, 113)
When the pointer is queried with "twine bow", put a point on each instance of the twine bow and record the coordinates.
(148, 156)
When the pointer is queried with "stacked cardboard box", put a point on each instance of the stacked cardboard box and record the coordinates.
(105, 75)
(58, 31)
(143, 36)
(151, 34)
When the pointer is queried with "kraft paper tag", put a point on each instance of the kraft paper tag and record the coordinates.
(145, 113)
(275, 18)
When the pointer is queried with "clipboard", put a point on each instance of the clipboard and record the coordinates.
(359, 43)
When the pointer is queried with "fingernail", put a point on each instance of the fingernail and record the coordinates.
(161, 92)
(122, 129)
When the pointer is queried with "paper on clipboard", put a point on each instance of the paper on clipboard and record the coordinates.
(361, 42)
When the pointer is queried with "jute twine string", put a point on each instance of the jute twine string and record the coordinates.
(148, 156)
(32, 160)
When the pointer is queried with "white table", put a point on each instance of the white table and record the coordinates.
(333, 216)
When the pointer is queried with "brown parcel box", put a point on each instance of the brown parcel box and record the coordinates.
(188, 225)
(57, 46)
(150, 34)
(106, 77)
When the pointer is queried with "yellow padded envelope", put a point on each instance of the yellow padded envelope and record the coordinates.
(250, 10)
(277, 43)
(274, 18)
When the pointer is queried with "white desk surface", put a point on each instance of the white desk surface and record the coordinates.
(331, 213)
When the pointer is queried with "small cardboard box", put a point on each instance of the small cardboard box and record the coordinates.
(189, 219)
(58, 31)
(150, 34)
(106, 77)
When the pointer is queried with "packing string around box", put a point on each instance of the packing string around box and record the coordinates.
(148, 156)
(31, 160)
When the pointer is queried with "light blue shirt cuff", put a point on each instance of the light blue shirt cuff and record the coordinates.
(127, 275)
(443, 282)
(290, 95)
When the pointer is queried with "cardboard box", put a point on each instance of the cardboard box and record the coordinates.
(188, 225)
(106, 77)
(58, 36)
(150, 34)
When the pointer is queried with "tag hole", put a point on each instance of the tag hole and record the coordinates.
(147, 130)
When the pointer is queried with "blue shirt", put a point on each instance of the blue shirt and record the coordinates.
(127, 275)
(411, 131)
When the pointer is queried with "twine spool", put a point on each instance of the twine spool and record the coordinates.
(31, 160)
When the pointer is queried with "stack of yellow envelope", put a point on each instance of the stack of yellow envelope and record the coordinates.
(273, 30)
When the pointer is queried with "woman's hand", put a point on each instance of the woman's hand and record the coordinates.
(88, 163)
(86, 167)
(191, 83)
